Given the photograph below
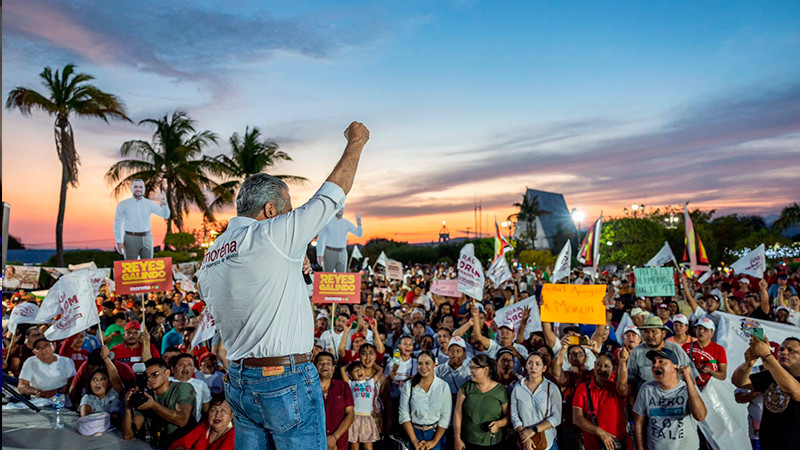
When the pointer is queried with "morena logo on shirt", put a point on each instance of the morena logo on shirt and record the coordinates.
(228, 248)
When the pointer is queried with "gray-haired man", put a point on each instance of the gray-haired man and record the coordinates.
(132, 222)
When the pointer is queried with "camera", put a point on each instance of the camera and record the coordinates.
(138, 398)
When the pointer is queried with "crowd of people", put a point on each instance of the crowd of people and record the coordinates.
(406, 365)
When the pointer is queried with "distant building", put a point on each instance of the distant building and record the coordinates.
(555, 222)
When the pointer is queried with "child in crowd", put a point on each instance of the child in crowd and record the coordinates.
(104, 396)
(208, 372)
(364, 430)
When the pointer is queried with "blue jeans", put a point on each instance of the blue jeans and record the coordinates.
(428, 435)
(283, 411)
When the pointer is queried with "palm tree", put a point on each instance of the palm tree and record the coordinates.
(250, 154)
(790, 215)
(67, 94)
(529, 210)
(174, 162)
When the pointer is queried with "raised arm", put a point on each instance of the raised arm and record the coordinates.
(687, 293)
(763, 285)
(622, 372)
(550, 337)
(526, 314)
(558, 374)
(783, 378)
(379, 347)
(476, 328)
(696, 404)
(345, 337)
(113, 374)
(345, 171)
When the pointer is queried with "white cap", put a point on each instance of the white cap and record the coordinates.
(457, 340)
(632, 328)
(680, 318)
(744, 280)
(707, 323)
(322, 316)
(783, 308)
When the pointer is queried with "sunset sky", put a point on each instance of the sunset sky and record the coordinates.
(610, 103)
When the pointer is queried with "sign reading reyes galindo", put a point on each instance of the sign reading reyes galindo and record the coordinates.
(332, 287)
(143, 275)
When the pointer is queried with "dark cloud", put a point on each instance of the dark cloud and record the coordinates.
(716, 150)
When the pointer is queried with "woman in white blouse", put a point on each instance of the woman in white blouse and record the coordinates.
(536, 406)
(425, 406)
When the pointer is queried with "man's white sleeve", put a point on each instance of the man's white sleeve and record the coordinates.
(160, 211)
(119, 222)
(321, 241)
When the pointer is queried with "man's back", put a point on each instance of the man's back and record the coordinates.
(252, 279)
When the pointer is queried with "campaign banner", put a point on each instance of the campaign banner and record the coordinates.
(446, 288)
(24, 312)
(21, 277)
(470, 274)
(71, 299)
(56, 272)
(333, 287)
(512, 314)
(725, 426)
(394, 270)
(187, 268)
(654, 281)
(138, 276)
(753, 263)
(574, 303)
(205, 329)
(499, 272)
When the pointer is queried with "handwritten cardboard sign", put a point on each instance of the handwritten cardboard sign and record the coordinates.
(446, 288)
(394, 270)
(574, 303)
(512, 315)
(137, 276)
(332, 287)
(654, 281)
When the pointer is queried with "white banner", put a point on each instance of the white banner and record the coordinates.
(470, 273)
(205, 329)
(725, 426)
(499, 272)
(394, 270)
(382, 259)
(72, 297)
(186, 282)
(356, 254)
(563, 263)
(513, 314)
(56, 272)
(623, 323)
(76, 267)
(21, 277)
(25, 312)
(753, 263)
(663, 256)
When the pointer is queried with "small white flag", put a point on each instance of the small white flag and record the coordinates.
(563, 263)
(382, 259)
(470, 273)
(365, 264)
(663, 256)
(23, 313)
(356, 253)
(72, 297)
(753, 263)
(205, 329)
(499, 272)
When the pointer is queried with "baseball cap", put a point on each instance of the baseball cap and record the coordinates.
(663, 353)
(459, 341)
(206, 355)
(663, 306)
(744, 280)
(632, 328)
(680, 318)
(356, 336)
(782, 308)
(133, 325)
(706, 323)
(638, 312)
(508, 325)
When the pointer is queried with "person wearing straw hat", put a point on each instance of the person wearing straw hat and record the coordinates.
(639, 366)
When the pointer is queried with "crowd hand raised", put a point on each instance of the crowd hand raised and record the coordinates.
(763, 284)
(526, 313)
(624, 354)
(686, 373)
(306, 266)
(761, 349)
(356, 133)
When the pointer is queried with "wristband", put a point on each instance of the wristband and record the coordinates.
(766, 356)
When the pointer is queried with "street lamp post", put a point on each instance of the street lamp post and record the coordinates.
(578, 216)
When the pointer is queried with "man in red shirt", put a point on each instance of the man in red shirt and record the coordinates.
(136, 346)
(598, 407)
(339, 405)
(708, 357)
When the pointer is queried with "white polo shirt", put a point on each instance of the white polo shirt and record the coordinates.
(252, 279)
(47, 376)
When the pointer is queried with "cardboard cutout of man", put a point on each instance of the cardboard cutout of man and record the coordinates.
(332, 242)
(132, 222)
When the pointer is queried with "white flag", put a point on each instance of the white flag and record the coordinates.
(72, 297)
(365, 264)
(205, 329)
(76, 267)
(499, 272)
(470, 273)
(753, 263)
(356, 253)
(663, 256)
(23, 313)
(563, 263)
(382, 259)
(705, 277)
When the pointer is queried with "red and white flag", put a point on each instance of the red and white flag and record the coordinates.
(71, 301)
(23, 313)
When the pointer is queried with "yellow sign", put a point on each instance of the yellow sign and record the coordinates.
(574, 303)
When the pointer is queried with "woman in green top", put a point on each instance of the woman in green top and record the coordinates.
(481, 409)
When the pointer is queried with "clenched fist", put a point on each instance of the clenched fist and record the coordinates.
(356, 133)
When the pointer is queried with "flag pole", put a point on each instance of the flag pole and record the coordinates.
(349, 260)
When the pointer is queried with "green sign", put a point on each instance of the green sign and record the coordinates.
(654, 282)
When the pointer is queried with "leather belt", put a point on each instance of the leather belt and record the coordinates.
(426, 427)
(135, 233)
(275, 360)
(334, 249)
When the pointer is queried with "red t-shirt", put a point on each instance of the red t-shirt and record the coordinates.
(77, 356)
(197, 352)
(712, 354)
(131, 356)
(609, 407)
(574, 380)
(338, 398)
(84, 376)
